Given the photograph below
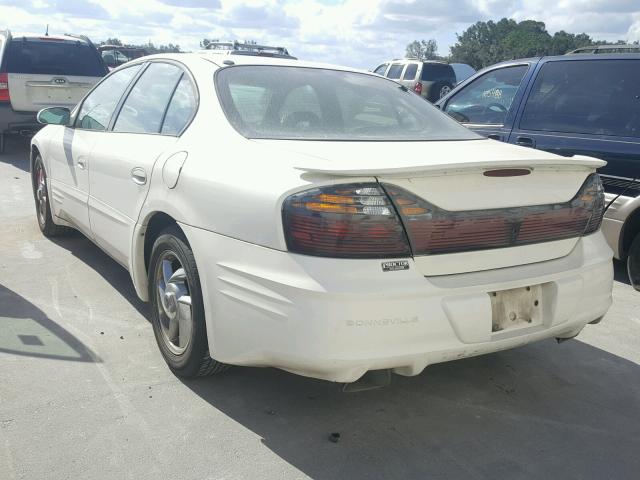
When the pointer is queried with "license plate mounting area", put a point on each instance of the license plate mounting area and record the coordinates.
(516, 308)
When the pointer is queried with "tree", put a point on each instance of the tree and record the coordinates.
(486, 43)
(423, 49)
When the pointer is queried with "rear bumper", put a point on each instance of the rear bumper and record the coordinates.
(336, 319)
(17, 122)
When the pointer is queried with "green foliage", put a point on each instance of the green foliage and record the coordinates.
(423, 49)
(486, 43)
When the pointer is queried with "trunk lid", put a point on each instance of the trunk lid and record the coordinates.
(460, 176)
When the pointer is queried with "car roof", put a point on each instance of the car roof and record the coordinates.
(568, 57)
(44, 38)
(219, 60)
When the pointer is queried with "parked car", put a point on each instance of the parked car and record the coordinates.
(250, 49)
(462, 71)
(319, 219)
(571, 104)
(38, 72)
(116, 55)
(430, 79)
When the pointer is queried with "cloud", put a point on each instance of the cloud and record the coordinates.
(360, 33)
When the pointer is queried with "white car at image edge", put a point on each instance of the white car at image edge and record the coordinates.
(319, 219)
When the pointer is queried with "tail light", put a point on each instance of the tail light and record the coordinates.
(433, 230)
(344, 221)
(4, 87)
(418, 88)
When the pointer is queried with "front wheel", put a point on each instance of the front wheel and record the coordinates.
(633, 263)
(177, 307)
(43, 206)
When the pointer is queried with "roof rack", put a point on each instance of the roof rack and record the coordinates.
(237, 48)
(614, 48)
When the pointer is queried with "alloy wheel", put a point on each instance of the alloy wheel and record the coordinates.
(174, 303)
(41, 194)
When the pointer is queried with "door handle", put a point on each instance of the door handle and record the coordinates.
(82, 164)
(495, 136)
(139, 176)
(525, 141)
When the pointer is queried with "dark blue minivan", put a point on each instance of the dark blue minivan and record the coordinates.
(568, 105)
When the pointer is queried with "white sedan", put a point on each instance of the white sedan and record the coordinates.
(319, 219)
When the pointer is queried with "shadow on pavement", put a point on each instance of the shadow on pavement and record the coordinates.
(541, 411)
(114, 273)
(16, 152)
(26, 330)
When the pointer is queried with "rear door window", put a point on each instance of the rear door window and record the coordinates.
(487, 100)
(145, 106)
(395, 71)
(181, 108)
(597, 97)
(410, 72)
(51, 57)
(97, 109)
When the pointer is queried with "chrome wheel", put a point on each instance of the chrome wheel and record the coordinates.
(41, 194)
(445, 91)
(174, 303)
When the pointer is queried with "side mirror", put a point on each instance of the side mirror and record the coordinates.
(54, 116)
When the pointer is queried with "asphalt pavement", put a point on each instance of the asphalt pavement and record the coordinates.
(85, 394)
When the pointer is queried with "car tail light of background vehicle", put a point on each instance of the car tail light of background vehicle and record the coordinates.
(384, 221)
(432, 230)
(4, 87)
(344, 221)
(418, 88)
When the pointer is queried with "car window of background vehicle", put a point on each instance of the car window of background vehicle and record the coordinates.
(598, 97)
(395, 71)
(487, 100)
(312, 103)
(143, 110)
(410, 72)
(98, 107)
(53, 58)
(381, 69)
(181, 109)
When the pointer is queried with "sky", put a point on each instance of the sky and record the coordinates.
(357, 33)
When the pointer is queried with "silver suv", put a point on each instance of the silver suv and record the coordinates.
(432, 80)
(40, 72)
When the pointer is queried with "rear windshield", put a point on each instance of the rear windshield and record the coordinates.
(278, 102)
(438, 72)
(51, 57)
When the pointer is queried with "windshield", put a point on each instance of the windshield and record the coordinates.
(297, 103)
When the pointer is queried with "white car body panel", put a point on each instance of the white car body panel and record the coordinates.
(324, 317)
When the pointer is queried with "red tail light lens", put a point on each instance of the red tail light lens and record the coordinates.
(344, 221)
(433, 230)
(418, 88)
(4, 87)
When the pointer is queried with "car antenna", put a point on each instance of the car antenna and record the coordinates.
(46, 33)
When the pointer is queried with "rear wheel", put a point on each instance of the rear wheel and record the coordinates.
(444, 91)
(177, 307)
(633, 263)
(43, 207)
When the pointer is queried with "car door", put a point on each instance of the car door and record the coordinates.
(488, 103)
(70, 149)
(588, 107)
(149, 120)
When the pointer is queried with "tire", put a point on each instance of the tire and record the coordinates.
(177, 308)
(43, 207)
(444, 90)
(633, 263)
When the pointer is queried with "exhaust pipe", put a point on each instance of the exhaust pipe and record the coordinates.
(371, 380)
